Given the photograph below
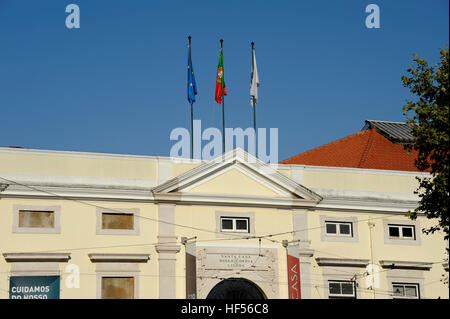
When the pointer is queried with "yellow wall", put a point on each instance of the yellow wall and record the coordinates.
(432, 249)
(204, 217)
(78, 221)
(78, 165)
(78, 236)
(367, 181)
(234, 182)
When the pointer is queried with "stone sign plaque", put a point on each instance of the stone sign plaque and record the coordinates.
(254, 263)
(230, 261)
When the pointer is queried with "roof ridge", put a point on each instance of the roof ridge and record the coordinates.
(368, 147)
(405, 123)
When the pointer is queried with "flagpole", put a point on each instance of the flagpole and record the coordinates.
(223, 105)
(254, 107)
(192, 130)
(192, 112)
(254, 127)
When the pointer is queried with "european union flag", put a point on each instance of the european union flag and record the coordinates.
(192, 86)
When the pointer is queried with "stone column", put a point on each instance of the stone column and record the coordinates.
(167, 249)
(300, 221)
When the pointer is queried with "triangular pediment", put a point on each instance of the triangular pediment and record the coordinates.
(237, 180)
(236, 174)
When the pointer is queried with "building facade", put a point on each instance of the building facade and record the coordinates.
(90, 225)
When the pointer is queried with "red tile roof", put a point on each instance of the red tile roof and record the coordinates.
(365, 149)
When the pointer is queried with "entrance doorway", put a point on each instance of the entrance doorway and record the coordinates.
(235, 288)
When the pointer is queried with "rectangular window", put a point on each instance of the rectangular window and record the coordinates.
(117, 287)
(36, 219)
(344, 229)
(117, 221)
(402, 232)
(341, 289)
(235, 224)
(405, 291)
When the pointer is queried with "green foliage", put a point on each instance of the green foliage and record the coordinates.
(429, 120)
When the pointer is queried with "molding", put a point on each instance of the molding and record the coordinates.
(165, 248)
(234, 246)
(75, 154)
(402, 241)
(391, 280)
(326, 237)
(127, 232)
(137, 258)
(227, 234)
(245, 171)
(196, 161)
(3, 187)
(397, 264)
(56, 210)
(342, 262)
(372, 205)
(365, 200)
(68, 192)
(305, 252)
(36, 257)
(101, 274)
(237, 157)
(364, 195)
(229, 200)
(345, 204)
(81, 182)
(354, 170)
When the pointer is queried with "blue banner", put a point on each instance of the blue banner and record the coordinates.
(34, 287)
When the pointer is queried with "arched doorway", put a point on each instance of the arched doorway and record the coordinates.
(235, 288)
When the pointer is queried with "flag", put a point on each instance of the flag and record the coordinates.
(220, 82)
(254, 82)
(192, 86)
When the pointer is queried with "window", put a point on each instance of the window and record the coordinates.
(240, 223)
(117, 221)
(235, 224)
(405, 291)
(36, 219)
(117, 287)
(339, 229)
(341, 289)
(402, 232)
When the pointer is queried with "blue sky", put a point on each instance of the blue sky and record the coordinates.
(118, 84)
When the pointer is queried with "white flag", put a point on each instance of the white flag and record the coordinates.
(255, 82)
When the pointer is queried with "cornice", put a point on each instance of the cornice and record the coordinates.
(144, 195)
(305, 252)
(398, 264)
(369, 205)
(231, 200)
(165, 248)
(40, 191)
(239, 158)
(37, 257)
(137, 258)
(3, 187)
(342, 262)
(353, 170)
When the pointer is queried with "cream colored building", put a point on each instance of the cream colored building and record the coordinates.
(116, 222)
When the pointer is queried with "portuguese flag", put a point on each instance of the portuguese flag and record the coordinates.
(220, 83)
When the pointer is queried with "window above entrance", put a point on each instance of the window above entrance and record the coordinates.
(235, 224)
